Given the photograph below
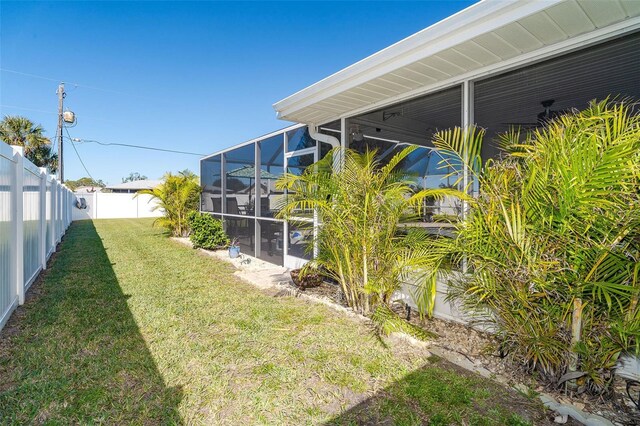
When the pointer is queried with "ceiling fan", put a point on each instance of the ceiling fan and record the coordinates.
(356, 134)
(543, 117)
(548, 113)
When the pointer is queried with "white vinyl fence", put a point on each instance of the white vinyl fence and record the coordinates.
(35, 212)
(107, 205)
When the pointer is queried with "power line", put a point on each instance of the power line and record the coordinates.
(135, 146)
(27, 109)
(29, 75)
(26, 74)
(77, 153)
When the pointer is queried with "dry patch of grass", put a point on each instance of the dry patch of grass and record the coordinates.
(130, 327)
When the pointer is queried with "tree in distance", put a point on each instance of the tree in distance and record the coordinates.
(20, 131)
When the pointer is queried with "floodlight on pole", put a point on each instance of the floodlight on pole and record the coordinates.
(69, 117)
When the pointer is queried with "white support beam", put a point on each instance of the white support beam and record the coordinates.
(257, 208)
(223, 183)
(467, 122)
(285, 228)
(343, 133)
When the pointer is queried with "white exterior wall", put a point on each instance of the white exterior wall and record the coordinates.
(443, 309)
(101, 205)
(35, 212)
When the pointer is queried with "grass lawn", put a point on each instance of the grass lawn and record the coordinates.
(129, 327)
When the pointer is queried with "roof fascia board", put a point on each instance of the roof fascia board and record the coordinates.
(566, 46)
(464, 17)
(478, 19)
(259, 138)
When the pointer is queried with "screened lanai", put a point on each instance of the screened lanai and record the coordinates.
(239, 187)
(523, 98)
(497, 65)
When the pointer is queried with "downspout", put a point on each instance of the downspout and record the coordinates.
(331, 140)
(337, 166)
(321, 137)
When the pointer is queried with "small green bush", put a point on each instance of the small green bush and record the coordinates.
(176, 196)
(206, 231)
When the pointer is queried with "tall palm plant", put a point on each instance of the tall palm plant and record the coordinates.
(360, 243)
(20, 131)
(552, 244)
(177, 196)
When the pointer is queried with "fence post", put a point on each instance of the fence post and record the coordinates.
(18, 223)
(54, 208)
(63, 210)
(43, 218)
(72, 204)
(69, 207)
(54, 212)
(65, 199)
(58, 210)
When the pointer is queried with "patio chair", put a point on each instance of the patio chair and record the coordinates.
(216, 204)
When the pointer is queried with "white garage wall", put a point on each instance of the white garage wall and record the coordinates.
(102, 205)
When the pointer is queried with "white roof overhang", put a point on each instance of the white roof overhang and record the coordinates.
(486, 38)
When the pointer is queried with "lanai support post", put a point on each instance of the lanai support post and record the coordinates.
(467, 122)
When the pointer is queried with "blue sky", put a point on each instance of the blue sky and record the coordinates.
(192, 76)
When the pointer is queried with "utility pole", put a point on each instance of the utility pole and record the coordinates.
(61, 96)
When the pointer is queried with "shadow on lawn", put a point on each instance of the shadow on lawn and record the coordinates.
(74, 354)
(441, 393)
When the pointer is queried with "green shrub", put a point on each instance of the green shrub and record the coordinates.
(176, 196)
(360, 207)
(552, 244)
(206, 231)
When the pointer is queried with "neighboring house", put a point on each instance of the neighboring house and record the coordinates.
(495, 64)
(134, 186)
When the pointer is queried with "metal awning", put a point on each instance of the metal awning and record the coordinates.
(485, 38)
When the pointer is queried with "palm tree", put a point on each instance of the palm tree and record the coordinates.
(20, 131)
(177, 196)
(361, 245)
(551, 247)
